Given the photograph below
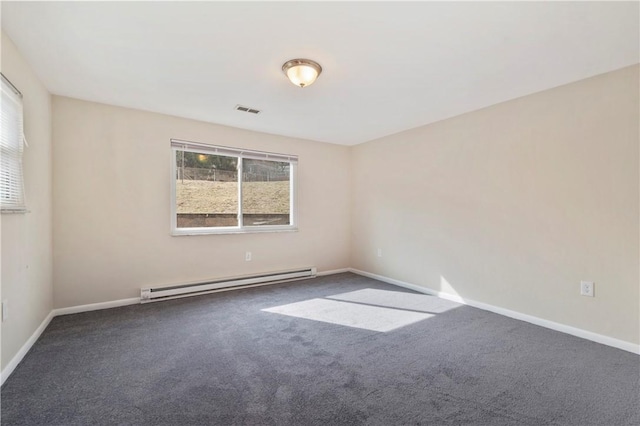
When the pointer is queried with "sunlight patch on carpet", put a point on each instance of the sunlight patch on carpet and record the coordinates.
(397, 300)
(373, 318)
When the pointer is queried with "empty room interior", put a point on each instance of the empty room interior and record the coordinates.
(320, 213)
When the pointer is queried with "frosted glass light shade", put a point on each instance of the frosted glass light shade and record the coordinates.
(302, 72)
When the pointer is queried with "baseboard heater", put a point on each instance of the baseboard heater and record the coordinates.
(154, 294)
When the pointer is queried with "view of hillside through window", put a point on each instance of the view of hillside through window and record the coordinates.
(207, 191)
(265, 193)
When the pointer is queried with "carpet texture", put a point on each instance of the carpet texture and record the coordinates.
(295, 354)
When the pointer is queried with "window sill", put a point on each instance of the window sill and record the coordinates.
(247, 230)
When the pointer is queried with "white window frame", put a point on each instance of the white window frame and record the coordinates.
(240, 154)
(12, 197)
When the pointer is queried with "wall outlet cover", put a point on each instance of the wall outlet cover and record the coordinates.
(587, 288)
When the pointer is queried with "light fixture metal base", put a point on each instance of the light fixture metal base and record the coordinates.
(301, 62)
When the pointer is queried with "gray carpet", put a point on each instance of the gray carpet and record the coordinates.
(221, 360)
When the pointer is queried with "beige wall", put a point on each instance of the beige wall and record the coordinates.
(112, 201)
(513, 205)
(26, 238)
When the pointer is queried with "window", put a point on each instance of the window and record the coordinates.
(218, 189)
(11, 147)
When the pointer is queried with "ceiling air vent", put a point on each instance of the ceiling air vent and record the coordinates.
(247, 109)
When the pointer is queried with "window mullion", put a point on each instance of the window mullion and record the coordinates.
(292, 194)
(240, 222)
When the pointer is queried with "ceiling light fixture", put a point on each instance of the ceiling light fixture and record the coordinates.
(302, 72)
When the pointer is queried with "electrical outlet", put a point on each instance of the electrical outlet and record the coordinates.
(5, 310)
(379, 252)
(145, 293)
(587, 288)
(247, 256)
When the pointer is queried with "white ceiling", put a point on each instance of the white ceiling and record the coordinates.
(387, 66)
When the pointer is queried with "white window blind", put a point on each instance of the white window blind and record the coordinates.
(233, 152)
(11, 148)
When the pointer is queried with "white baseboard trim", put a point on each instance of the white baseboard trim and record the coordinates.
(578, 332)
(24, 349)
(333, 271)
(86, 308)
(54, 313)
(95, 306)
(599, 338)
(136, 300)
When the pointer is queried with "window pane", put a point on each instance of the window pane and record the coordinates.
(206, 190)
(265, 192)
